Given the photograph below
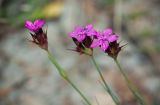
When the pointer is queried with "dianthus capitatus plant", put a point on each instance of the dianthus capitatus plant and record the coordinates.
(86, 39)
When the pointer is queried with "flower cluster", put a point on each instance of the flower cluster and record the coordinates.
(39, 37)
(88, 38)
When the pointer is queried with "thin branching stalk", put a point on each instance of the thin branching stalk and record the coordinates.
(108, 89)
(131, 86)
(65, 76)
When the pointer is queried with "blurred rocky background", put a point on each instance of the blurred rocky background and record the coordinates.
(28, 78)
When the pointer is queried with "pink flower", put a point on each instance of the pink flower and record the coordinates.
(34, 27)
(39, 36)
(80, 33)
(104, 39)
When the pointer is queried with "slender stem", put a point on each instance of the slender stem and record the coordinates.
(114, 97)
(59, 68)
(131, 86)
(65, 76)
(82, 95)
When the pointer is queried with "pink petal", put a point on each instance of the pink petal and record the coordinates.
(104, 46)
(92, 33)
(98, 34)
(94, 44)
(113, 38)
(29, 25)
(78, 28)
(39, 23)
(107, 31)
(89, 27)
(72, 34)
(80, 38)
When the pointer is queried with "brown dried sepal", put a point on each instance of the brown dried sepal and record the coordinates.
(40, 38)
(114, 49)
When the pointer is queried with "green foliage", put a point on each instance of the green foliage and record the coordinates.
(16, 12)
(137, 14)
(146, 33)
(104, 3)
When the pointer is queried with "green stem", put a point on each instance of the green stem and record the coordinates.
(114, 97)
(74, 86)
(131, 86)
(59, 68)
(65, 76)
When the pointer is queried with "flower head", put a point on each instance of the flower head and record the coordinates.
(80, 33)
(107, 41)
(103, 39)
(34, 27)
(82, 37)
(39, 37)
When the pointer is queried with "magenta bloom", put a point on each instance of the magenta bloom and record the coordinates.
(80, 33)
(103, 39)
(34, 27)
(38, 35)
